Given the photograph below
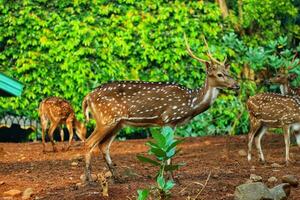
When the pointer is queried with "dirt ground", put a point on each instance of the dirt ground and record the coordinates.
(52, 175)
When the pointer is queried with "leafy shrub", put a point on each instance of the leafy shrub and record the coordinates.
(163, 149)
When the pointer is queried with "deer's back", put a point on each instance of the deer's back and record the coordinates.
(56, 107)
(274, 108)
(134, 100)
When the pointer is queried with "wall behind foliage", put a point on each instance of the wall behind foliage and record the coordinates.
(67, 48)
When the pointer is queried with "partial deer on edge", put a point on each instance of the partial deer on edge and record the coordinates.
(143, 104)
(270, 110)
(59, 111)
(283, 78)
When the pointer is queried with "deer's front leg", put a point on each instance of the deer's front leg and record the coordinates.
(258, 138)
(62, 136)
(254, 127)
(71, 133)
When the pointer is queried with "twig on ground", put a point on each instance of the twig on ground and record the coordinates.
(197, 183)
(208, 177)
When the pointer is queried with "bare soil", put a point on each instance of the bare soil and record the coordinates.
(52, 176)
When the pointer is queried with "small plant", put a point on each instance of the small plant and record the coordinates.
(163, 149)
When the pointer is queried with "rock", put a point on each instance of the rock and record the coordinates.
(281, 192)
(252, 169)
(77, 157)
(28, 192)
(272, 179)
(255, 178)
(275, 165)
(253, 191)
(2, 182)
(12, 193)
(74, 163)
(242, 153)
(292, 180)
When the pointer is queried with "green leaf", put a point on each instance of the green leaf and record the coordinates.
(143, 194)
(148, 160)
(173, 167)
(169, 185)
(159, 139)
(160, 181)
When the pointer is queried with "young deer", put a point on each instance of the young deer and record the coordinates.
(143, 104)
(283, 79)
(270, 110)
(59, 111)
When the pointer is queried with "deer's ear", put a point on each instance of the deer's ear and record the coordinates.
(227, 66)
(207, 66)
(292, 76)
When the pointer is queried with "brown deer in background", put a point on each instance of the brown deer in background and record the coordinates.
(59, 111)
(143, 104)
(270, 110)
(283, 79)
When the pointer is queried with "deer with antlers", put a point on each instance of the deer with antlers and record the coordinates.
(59, 111)
(143, 104)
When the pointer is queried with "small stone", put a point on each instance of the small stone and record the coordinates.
(108, 174)
(78, 185)
(281, 192)
(1, 182)
(252, 191)
(77, 157)
(12, 193)
(7, 198)
(74, 163)
(272, 179)
(94, 177)
(255, 178)
(275, 165)
(28, 192)
(242, 153)
(292, 180)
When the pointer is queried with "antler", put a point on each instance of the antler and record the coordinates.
(210, 55)
(294, 58)
(190, 52)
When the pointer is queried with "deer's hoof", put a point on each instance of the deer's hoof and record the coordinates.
(290, 162)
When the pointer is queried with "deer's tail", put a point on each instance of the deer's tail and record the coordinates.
(85, 108)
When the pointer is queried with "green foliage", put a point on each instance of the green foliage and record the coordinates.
(67, 48)
(162, 149)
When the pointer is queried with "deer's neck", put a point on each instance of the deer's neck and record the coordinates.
(284, 88)
(203, 98)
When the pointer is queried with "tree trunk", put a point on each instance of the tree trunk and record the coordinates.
(223, 7)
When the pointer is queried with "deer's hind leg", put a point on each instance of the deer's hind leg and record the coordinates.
(287, 141)
(104, 146)
(53, 126)
(92, 142)
(44, 124)
(69, 123)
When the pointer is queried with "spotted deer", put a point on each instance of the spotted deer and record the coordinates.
(142, 104)
(283, 79)
(59, 111)
(270, 110)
